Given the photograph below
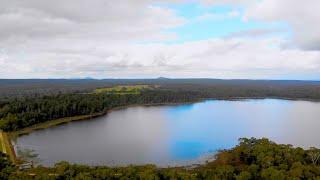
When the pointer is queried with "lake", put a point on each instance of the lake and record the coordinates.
(175, 135)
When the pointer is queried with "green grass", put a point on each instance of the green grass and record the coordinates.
(6, 146)
(1, 143)
(129, 89)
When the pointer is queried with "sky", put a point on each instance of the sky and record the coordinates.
(226, 39)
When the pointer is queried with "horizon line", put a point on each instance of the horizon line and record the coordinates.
(162, 78)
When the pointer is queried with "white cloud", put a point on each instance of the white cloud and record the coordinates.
(78, 38)
(116, 20)
(219, 58)
(256, 33)
(302, 16)
(228, 2)
(217, 16)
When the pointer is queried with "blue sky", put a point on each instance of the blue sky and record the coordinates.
(207, 22)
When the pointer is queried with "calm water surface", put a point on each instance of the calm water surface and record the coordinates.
(175, 135)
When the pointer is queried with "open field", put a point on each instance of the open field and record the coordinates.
(126, 89)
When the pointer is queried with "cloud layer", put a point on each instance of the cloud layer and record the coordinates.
(104, 39)
(302, 16)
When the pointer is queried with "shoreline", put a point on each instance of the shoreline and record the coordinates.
(64, 120)
(8, 137)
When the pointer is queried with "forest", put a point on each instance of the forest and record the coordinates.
(33, 104)
(250, 159)
(15, 88)
(24, 112)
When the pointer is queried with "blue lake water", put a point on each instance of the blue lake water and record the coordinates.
(175, 135)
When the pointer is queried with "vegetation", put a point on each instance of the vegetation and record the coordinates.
(6, 167)
(6, 146)
(20, 112)
(251, 159)
(10, 89)
(47, 124)
(25, 112)
(2, 149)
(129, 89)
(41, 104)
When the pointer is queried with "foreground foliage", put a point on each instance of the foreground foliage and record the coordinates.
(251, 159)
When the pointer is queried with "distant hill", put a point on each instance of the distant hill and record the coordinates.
(162, 78)
(77, 78)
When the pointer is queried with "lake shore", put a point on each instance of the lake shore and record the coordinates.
(60, 121)
(12, 135)
(95, 115)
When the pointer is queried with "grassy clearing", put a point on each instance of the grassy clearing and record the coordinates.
(6, 146)
(2, 146)
(130, 89)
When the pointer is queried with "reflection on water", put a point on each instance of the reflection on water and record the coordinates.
(171, 135)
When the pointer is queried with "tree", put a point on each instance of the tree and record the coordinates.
(245, 175)
(314, 155)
